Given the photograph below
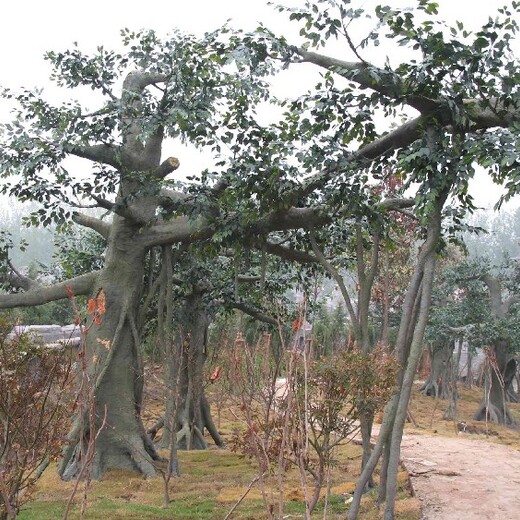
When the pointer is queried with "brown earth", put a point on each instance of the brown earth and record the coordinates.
(463, 478)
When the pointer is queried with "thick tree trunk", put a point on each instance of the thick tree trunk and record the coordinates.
(435, 385)
(108, 422)
(192, 415)
(493, 406)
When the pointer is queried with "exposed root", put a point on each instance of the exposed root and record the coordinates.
(155, 429)
(430, 388)
(492, 413)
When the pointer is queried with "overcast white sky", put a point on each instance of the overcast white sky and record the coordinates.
(28, 28)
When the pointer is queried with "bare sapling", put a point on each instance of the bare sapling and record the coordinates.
(87, 418)
(329, 407)
(254, 374)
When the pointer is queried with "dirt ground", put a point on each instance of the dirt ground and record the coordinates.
(463, 478)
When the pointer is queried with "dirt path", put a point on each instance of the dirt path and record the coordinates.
(462, 478)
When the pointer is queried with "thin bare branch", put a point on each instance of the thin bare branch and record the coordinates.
(338, 279)
(18, 280)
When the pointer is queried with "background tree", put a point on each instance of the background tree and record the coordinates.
(494, 292)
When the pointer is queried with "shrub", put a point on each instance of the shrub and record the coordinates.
(34, 407)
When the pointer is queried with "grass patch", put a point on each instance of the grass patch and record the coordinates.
(213, 480)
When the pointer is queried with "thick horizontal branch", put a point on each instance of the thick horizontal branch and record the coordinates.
(182, 229)
(138, 80)
(293, 218)
(170, 200)
(255, 313)
(81, 285)
(246, 278)
(177, 230)
(383, 81)
(101, 153)
(492, 114)
(98, 225)
(395, 204)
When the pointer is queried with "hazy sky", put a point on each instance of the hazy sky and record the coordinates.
(31, 27)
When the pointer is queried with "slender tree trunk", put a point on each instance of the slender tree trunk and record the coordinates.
(415, 307)
(386, 301)
(406, 389)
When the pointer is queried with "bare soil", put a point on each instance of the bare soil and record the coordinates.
(463, 478)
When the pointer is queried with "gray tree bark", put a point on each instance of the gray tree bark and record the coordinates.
(440, 356)
(115, 370)
(191, 412)
(498, 378)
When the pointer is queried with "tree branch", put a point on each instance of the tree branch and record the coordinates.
(138, 80)
(170, 200)
(133, 86)
(98, 225)
(18, 280)
(180, 229)
(101, 153)
(81, 285)
(509, 302)
(338, 279)
(385, 82)
(495, 294)
(255, 313)
(183, 229)
(118, 209)
(288, 253)
(403, 136)
(491, 114)
(395, 204)
(245, 278)
(166, 167)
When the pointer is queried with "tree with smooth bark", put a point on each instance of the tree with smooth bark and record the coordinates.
(170, 88)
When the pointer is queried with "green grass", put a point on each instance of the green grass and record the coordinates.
(212, 481)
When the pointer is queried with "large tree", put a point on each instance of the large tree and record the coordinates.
(179, 87)
(453, 103)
